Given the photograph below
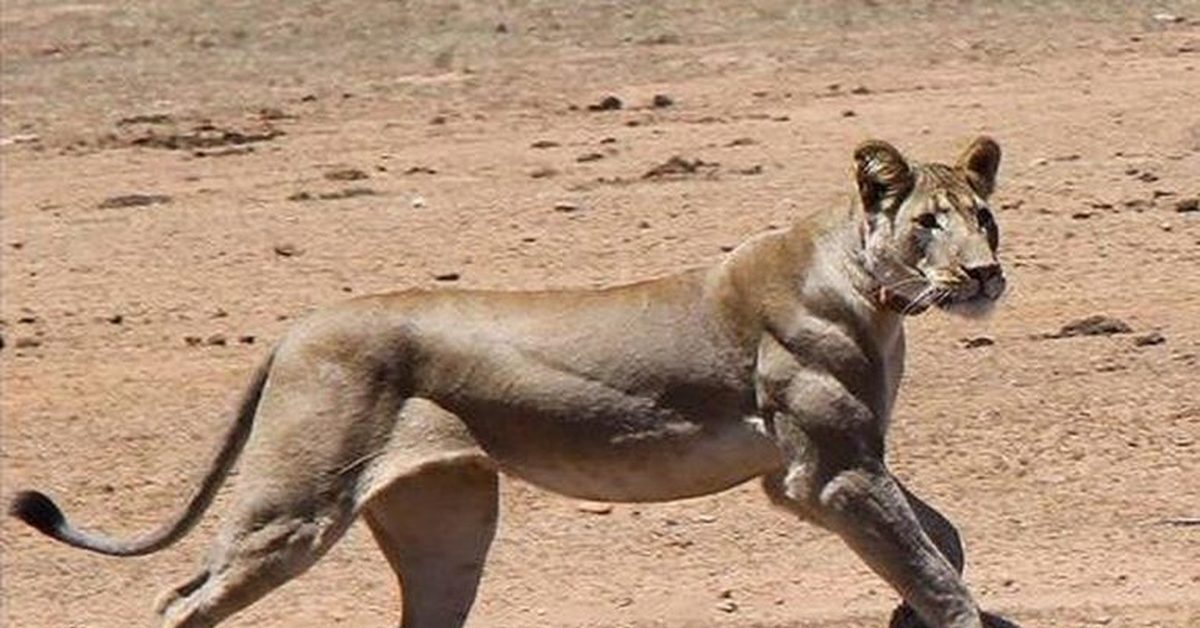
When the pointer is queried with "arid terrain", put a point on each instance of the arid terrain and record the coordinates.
(183, 179)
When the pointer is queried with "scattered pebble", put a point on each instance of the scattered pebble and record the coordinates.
(1187, 205)
(346, 174)
(133, 200)
(1149, 339)
(116, 319)
(1095, 325)
(662, 100)
(566, 207)
(676, 166)
(27, 343)
(586, 157)
(420, 170)
(287, 249)
(247, 340)
(216, 340)
(417, 202)
(595, 508)
(848, 113)
(545, 144)
(1169, 18)
(447, 277)
(543, 173)
(977, 341)
(861, 90)
(742, 141)
(608, 103)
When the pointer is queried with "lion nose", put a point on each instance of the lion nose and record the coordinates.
(990, 278)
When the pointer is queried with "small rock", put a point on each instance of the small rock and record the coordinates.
(676, 166)
(848, 113)
(566, 207)
(545, 144)
(742, 141)
(447, 277)
(727, 606)
(706, 518)
(418, 202)
(661, 101)
(193, 341)
(346, 174)
(116, 319)
(977, 341)
(1147, 177)
(595, 508)
(287, 249)
(1187, 205)
(300, 196)
(1096, 325)
(543, 173)
(133, 200)
(861, 90)
(247, 340)
(608, 103)
(1082, 215)
(1149, 339)
(23, 138)
(1168, 18)
(751, 170)
(1165, 226)
(1137, 204)
(586, 157)
(501, 28)
(420, 170)
(27, 343)
(216, 340)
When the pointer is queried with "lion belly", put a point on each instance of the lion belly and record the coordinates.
(660, 462)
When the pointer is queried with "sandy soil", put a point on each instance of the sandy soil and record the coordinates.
(180, 181)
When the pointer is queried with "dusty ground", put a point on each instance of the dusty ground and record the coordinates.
(130, 323)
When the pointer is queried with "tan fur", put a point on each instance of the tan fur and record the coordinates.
(781, 362)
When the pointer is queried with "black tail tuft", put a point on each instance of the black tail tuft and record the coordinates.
(38, 511)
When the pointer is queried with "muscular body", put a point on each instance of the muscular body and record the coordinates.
(781, 362)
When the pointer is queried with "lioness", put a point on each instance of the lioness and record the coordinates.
(781, 362)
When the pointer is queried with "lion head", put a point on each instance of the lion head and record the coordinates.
(929, 236)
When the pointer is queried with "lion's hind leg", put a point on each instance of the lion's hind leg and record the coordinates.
(435, 527)
(264, 546)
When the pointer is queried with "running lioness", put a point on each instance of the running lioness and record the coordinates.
(781, 362)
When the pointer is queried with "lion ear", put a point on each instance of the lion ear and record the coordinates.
(884, 177)
(980, 162)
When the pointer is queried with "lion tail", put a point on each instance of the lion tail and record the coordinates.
(39, 511)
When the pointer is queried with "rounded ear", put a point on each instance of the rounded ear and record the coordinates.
(980, 162)
(884, 177)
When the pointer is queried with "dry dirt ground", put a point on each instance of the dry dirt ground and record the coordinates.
(183, 179)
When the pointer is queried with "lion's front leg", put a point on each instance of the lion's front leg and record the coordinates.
(835, 477)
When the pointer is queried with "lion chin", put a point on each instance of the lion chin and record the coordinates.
(979, 307)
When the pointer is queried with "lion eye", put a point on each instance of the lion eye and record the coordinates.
(929, 221)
